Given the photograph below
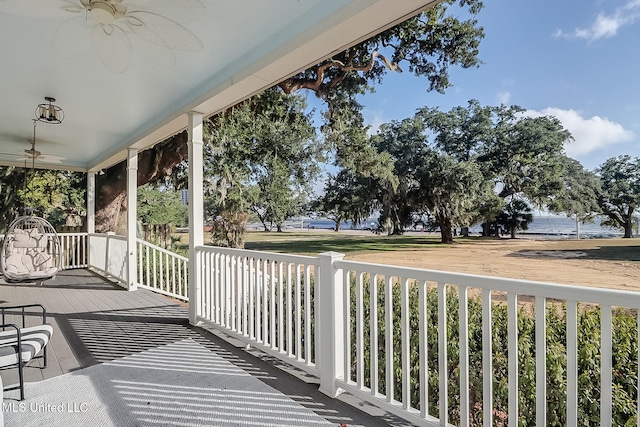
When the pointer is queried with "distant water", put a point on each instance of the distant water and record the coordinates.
(542, 225)
(557, 225)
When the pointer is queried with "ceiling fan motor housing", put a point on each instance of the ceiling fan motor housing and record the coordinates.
(107, 11)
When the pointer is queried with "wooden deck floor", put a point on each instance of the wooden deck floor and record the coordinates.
(96, 321)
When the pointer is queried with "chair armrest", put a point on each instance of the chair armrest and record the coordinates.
(3, 308)
(12, 337)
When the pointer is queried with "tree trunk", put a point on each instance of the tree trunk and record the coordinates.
(486, 229)
(513, 232)
(153, 164)
(446, 231)
(628, 228)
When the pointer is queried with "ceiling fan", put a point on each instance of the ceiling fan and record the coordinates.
(115, 29)
(31, 154)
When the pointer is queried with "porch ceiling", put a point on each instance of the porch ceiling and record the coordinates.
(247, 45)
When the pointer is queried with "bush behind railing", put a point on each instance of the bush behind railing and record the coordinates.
(625, 358)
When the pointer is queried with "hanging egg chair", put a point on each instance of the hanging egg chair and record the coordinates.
(30, 251)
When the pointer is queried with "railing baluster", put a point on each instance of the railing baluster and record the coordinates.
(572, 364)
(405, 339)
(257, 316)
(359, 332)
(298, 311)
(307, 315)
(347, 323)
(221, 261)
(164, 272)
(233, 298)
(606, 361)
(388, 345)
(173, 275)
(487, 360)
(281, 281)
(463, 330)
(291, 271)
(155, 269)
(423, 349)
(373, 332)
(140, 262)
(512, 339)
(265, 301)
(206, 288)
(161, 271)
(239, 287)
(541, 361)
(148, 262)
(272, 306)
(443, 357)
(252, 293)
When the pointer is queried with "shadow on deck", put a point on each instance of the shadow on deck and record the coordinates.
(96, 321)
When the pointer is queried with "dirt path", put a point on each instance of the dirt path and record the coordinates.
(603, 263)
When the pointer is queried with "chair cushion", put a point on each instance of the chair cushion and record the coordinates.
(33, 340)
(30, 238)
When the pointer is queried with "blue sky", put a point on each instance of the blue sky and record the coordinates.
(576, 60)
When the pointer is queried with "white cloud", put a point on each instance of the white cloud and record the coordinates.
(374, 119)
(606, 26)
(504, 97)
(590, 134)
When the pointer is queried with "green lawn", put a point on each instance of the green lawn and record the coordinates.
(313, 243)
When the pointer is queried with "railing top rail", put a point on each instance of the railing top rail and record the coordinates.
(563, 292)
(162, 250)
(260, 254)
(110, 236)
(79, 234)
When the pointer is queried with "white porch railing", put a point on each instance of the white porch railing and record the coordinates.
(262, 298)
(426, 345)
(73, 250)
(108, 255)
(162, 271)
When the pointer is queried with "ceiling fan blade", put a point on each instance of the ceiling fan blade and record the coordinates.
(112, 46)
(72, 38)
(157, 53)
(42, 159)
(47, 158)
(156, 27)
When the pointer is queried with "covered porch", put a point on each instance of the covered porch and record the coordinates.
(321, 331)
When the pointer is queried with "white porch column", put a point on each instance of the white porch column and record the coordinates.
(196, 210)
(330, 322)
(132, 216)
(91, 211)
(91, 202)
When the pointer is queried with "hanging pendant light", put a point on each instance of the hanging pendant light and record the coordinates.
(49, 112)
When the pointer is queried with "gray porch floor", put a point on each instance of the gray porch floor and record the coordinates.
(96, 321)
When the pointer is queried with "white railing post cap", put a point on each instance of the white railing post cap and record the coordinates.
(332, 255)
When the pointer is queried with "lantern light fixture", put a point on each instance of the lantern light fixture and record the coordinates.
(49, 112)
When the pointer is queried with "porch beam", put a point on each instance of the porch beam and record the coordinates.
(132, 214)
(196, 209)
